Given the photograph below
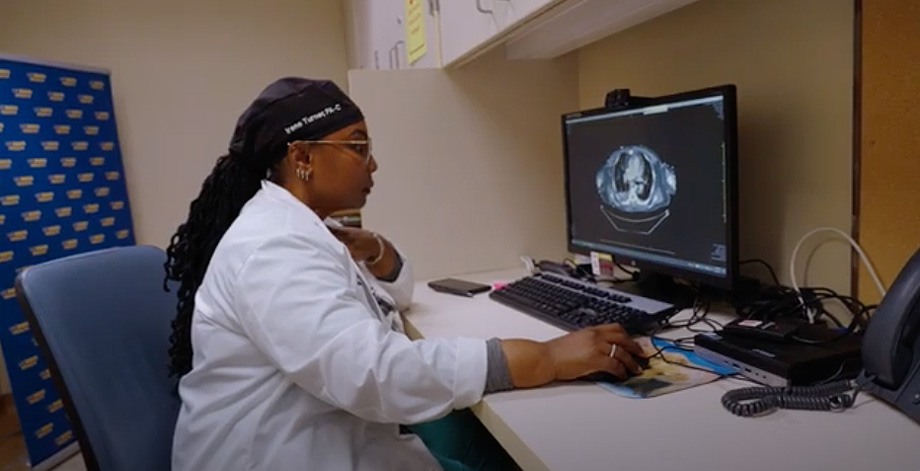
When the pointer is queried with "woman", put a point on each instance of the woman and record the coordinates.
(287, 338)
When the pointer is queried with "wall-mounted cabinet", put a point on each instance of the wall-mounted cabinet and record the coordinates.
(469, 25)
(459, 31)
(571, 24)
(377, 34)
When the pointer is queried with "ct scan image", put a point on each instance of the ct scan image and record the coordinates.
(636, 187)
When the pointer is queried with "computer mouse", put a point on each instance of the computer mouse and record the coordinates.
(605, 377)
(643, 362)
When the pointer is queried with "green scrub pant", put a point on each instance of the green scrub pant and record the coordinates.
(460, 442)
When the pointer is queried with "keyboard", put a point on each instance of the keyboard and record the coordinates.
(572, 304)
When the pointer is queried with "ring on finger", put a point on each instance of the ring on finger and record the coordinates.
(613, 350)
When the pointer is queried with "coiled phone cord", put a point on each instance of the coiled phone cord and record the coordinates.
(748, 402)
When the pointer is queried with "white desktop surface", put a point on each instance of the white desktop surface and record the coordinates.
(583, 427)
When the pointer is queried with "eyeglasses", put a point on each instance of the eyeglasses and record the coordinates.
(361, 148)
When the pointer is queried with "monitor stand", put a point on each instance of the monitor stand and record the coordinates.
(660, 288)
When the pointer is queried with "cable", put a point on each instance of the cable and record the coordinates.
(853, 243)
(768, 303)
(628, 271)
(588, 275)
(750, 402)
(701, 309)
(810, 300)
(765, 264)
(660, 353)
(858, 310)
(580, 272)
(775, 303)
(529, 264)
(839, 371)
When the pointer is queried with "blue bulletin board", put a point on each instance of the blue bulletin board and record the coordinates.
(62, 192)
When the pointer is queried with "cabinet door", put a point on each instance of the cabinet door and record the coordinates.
(389, 33)
(429, 57)
(377, 34)
(384, 31)
(372, 27)
(468, 24)
(395, 43)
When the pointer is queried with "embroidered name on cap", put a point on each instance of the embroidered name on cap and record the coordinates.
(329, 110)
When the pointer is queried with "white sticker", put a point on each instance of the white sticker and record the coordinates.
(601, 264)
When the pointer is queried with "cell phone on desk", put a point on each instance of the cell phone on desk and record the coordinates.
(458, 287)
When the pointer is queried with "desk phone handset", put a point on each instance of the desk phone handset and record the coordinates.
(890, 356)
(891, 344)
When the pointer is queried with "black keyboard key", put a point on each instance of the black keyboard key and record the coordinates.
(571, 304)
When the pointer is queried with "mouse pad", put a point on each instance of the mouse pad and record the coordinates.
(663, 377)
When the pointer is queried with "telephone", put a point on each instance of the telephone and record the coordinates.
(891, 344)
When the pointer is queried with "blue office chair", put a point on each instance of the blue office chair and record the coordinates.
(102, 320)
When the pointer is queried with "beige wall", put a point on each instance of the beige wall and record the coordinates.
(470, 175)
(792, 63)
(182, 72)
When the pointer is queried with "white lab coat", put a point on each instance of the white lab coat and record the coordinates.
(296, 368)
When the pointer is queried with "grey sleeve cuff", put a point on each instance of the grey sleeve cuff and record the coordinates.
(498, 378)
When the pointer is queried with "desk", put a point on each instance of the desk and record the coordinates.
(583, 427)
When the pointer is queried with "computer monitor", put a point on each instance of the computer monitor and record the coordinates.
(655, 185)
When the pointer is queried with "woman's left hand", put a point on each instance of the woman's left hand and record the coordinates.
(365, 247)
(362, 244)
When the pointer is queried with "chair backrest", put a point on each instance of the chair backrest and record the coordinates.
(103, 321)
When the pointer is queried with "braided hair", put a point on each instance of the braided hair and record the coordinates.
(229, 186)
(287, 110)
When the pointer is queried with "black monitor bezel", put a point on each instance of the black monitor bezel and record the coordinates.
(730, 108)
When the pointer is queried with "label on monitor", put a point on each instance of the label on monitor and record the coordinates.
(601, 264)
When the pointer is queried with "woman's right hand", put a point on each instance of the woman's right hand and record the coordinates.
(571, 356)
(587, 351)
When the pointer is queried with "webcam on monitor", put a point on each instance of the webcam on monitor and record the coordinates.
(621, 98)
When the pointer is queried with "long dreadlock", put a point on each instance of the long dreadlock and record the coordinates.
(288, 110)
(229, 186)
